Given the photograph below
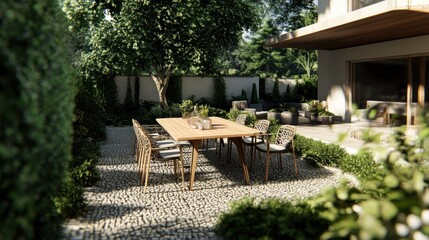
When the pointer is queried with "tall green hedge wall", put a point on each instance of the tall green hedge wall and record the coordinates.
(36, 105)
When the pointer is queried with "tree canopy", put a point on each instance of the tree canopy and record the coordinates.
(160, 37)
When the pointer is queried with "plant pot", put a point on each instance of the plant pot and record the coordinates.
(327, 119)
(314, 118)
(275, 115)
(289, 118)
(307, 114)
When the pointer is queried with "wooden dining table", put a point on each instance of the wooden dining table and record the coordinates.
(179, 130)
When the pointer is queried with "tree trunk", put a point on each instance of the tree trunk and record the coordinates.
(161, 81)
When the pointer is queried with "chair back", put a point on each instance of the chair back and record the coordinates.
(285, 135)
(241, 119)
(262, 125)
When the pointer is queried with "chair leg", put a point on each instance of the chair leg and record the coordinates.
(267, 163)
(294, 160)
(147, 175)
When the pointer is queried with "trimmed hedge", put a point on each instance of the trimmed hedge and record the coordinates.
(36, 112)
(270, 219)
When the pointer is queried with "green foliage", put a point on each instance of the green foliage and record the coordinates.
(36, 111)
(69, 199)
(287, 97)
(187, 106)
(276, 90)
(174, 90)
(128, 101)
(254, 97)
(89, 112)
(306, 89)
(253, 58)
(233, 114)
(83, 166)
(158, 112)
(400, 208)
(270, 219)
(159, 37)
(315, 106)
(136, 91)
(219, 92)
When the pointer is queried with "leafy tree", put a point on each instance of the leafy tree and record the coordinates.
(256, 59)
(289, 15)
(162, 37)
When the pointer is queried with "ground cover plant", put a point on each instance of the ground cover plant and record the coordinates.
(391, 202)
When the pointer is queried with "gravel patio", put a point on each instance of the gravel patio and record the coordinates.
(118, 208)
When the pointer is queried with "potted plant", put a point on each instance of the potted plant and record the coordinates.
(204, 114)
(327, 117)
(290, 116)
(315, 108)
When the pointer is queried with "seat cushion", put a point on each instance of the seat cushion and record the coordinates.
(248, 140)
(273, 148)
(169, 154)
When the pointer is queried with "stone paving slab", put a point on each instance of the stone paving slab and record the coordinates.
(118, 208)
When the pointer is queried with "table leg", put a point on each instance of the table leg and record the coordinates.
(195, 145)
(239, 144)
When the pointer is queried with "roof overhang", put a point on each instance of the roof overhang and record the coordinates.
(355, 30)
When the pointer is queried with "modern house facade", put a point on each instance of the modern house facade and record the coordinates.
(372, 53)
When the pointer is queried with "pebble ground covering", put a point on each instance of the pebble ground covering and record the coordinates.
(118, 208)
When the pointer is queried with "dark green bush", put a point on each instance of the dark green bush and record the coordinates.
(219, 92)
(36, 112)
(270, 219)
(254, 97)
(320, 153)
(69, 199)
(276, 90)
(174, 90)
(83, 166)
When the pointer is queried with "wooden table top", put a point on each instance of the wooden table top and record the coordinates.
(179, 129)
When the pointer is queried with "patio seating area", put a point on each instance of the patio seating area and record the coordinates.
(118, 208)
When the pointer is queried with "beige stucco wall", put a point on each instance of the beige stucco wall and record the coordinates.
(333, 70)
(200, 87)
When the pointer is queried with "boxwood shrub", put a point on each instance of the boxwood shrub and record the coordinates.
(270, 219)
(36, 112)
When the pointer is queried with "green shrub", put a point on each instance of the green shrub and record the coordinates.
(83, 166)
(363, 166)
(157, 112)
(270, 219)
(36, 111)
(69, 199)
(174, 90)
(317, 152)
(219, 92)
(254, 97)
(276, 90)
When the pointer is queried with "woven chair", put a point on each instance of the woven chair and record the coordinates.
(241, 119)
(149, 151)
(282, 144)
(251, 141)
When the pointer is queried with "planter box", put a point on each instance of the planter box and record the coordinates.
(289, 118)
(327, 119)
(315, 119)
(275, 115)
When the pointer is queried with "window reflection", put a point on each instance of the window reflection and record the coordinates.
(357, 4)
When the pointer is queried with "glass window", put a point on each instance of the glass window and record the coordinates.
(357, 4)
